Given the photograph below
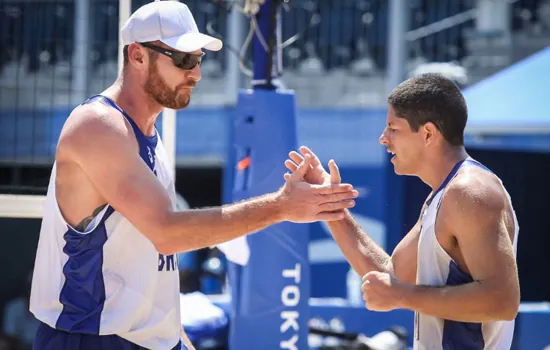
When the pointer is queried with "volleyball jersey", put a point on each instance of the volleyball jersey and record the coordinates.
(109, 279)
(436, 268)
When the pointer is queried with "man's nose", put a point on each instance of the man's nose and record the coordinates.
(383, 138)
(195, 73)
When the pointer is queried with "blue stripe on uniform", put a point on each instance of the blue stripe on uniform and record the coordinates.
(461, 335)
(83, 293)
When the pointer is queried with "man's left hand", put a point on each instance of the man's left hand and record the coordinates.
(383, 292)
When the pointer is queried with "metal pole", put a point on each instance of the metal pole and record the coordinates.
(81, 52)
(397, 44)
(265, 45)
(124, 11)
(169, 137)
(397, 57)
(235, 39)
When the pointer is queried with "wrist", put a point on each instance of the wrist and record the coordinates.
(276, 203)
(337, 224)
(406, 295)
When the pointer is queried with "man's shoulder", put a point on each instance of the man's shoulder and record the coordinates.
(475, 191)
(93, 116)
(92, 124)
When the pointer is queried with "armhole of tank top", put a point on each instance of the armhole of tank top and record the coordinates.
(99, 217)
(91, 226)
(516, 223)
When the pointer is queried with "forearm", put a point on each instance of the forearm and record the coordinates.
(472, 302)
(199, 228)
(360, 250)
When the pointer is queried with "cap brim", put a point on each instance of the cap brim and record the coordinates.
(193, 41)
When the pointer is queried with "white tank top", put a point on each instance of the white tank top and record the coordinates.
(108, 279)
(436, 268)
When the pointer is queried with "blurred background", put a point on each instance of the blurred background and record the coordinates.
(56, 53)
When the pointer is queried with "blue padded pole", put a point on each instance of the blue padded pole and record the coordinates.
(270, 295)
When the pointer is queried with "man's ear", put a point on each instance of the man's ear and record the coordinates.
(431, 132)
(137, 56)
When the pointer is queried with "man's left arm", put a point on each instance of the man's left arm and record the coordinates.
(479, 218)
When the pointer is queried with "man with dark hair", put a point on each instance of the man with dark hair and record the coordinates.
(456, 268)
(432, 98)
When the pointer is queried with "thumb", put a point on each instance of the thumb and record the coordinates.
(303, 167)
(335, 177)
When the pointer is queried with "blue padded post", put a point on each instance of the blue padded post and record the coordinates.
(270, 294)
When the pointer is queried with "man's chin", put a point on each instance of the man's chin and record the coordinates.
(397, 169)
(179, 104)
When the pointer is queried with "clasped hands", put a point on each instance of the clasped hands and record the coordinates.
(381, 290)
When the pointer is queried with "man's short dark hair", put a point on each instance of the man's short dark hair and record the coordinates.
(432, 98)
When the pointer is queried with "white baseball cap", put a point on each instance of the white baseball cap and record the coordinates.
(170, 22)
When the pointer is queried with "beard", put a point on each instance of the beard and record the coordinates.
(161, 93)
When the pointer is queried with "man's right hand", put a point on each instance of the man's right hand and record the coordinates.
(316, 173)
(305, 202)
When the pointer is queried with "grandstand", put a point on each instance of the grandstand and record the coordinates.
(339, 59)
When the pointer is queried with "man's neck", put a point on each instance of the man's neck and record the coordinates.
(136, 103)
(441, 165)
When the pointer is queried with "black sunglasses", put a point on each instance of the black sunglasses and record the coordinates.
(181, 60)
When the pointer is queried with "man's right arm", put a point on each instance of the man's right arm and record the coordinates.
(103, 147)
(360, 250)
(365, 255)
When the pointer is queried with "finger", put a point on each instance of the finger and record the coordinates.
(330, 216)
(333, 188)
(367, 277)
(287, 176)
(296, 157)
(335, 177)
(290, 165)
(303, 167)
(337, 197)
(334, 206)
(314, 159)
